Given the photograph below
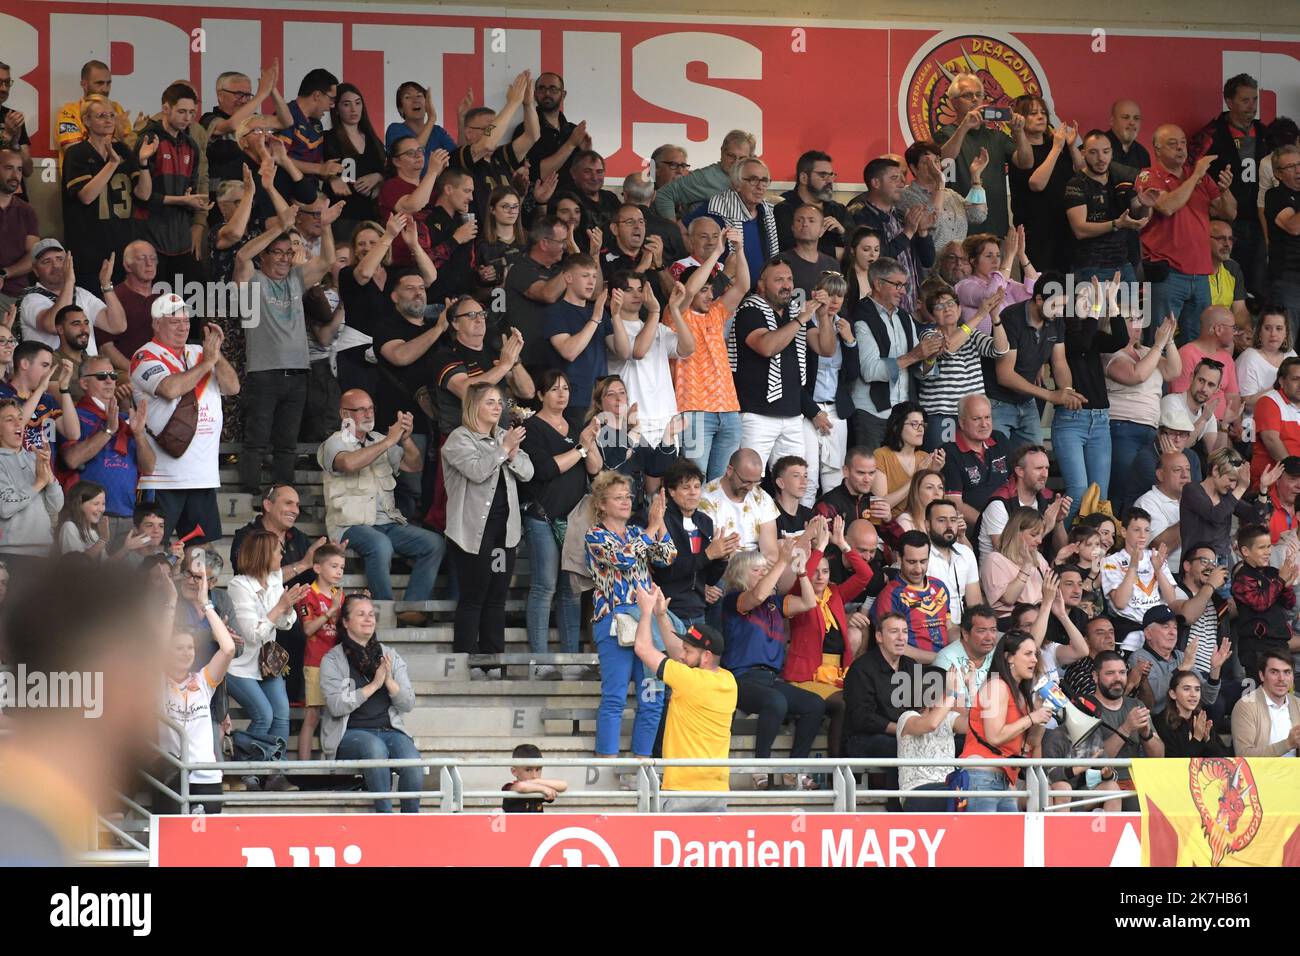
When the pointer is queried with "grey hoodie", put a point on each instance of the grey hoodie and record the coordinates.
(26, 516)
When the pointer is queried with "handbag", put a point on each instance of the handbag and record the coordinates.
(176, 435)
(625, 629)
(273, 659)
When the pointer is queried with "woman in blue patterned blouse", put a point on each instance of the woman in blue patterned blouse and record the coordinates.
(618, 554)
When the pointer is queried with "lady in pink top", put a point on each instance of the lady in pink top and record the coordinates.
(991, 270)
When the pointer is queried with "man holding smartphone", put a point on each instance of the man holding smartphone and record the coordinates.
(976, 128)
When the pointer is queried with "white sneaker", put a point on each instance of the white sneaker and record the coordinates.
(547, 672)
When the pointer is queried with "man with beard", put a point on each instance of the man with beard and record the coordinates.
(920, 598)
(18, 229)
(1103, 209)
(1215, 342)
(556, 139)
(56, 286)
(74, 335)
(772, 366)
(952, 562)
(1121, 712)
(814, 186)
(905, 235)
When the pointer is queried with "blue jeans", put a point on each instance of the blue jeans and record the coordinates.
(618, 665)
(266, 702)
(1186, 297)
(376, 745)
(377, 543)
(545, 579)
(990, 780)
(710, 439)
(1126, 440)
(1081, 440)
(1021, 423)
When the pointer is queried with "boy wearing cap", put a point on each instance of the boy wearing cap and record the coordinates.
(703, 703)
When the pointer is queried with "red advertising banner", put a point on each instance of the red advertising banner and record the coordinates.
(666, 840)
(854, 89)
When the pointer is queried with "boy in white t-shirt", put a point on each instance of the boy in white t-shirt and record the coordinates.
(1131, 582)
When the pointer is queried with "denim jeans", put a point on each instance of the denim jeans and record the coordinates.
(377, 543)
(544, 580)
(362, 744)
(1081, 440)
(1021, 423)
(1126, 440)
(273, 404)
(710, 439)
(993, 779)
(266, 703)
(618, 665)
(1186, 296)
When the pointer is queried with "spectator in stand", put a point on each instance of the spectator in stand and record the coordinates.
(533, 283)
(1119, 710)
(971, 136)
(977, 463)
(1257, 366)
(563, 460)
(1078, 679)
(13, 130)
(529, 780)
(629, 248)
(318, 612)
(70, 125)
(991, 264)
(300, 124)
(277, 366)
(483, 463)
(408, 190)
(19, 232)
(900, 455)
(420, 119)
(1265, 599)
(165, 372)
(1125, 123)
(482, 153)
(822, 647)
(1282, 499)
(690, 582)
(453, 231)
(262, 606)
(112, 449)
(31, 495)
(861, 249)
(143, 542)
(1136, 578)
(598, 204)
(835, 368)
(704, 183)
(323, 322)
(1184, 725)
(1105, 212)
(1214, 343)
(1015, 571)
(954, 213)
(755, 627)
(639, 190)
(56, 287)
(951, 559)
(582, 334)
(1173, 435)
(1283, 131)
(1163, 503)
(814, 186)
(953, 264)
(705, 386)
(926, 486)
(237, 106)
(958, 369)
(790, 481)
(738, 505)
(1236, 139)
(1266, 721)
(1038, 192)
(771, 366)
(619, 555)
(136, 295)
(74, 335)
(1277, 420)
(1006, 720)
(1205, 611)
(923, 600)
(1207, 507)
(366, 691)
(352, 137)
(807, 262)
(1281, 205)
(704, 235)
(361, 467)
(1176, 257)
(280, 509)
(645, 372)
(1135, 376)
(1227, 284)
(905, 234)
(503, 237)
(100, 173)
(557, 139)
(175, 211)
(973, 653)
(928, 734)
(1160, 639)
(852, 499)
(670, 163)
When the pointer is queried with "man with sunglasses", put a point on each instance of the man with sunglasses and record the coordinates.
(112, 450)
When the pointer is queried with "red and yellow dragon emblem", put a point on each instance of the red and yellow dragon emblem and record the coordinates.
(1224, 792)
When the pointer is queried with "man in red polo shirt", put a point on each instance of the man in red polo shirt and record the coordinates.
(1277, 420)
(1175, 246)
(1282, 496)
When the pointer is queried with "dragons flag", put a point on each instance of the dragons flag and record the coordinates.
(1219, 811)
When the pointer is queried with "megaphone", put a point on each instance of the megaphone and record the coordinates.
(1077, 724)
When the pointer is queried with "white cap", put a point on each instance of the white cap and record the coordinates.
(1174, 414)
(168, 304)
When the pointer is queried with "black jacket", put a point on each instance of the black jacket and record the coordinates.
(783, 212)
(872, 691)
(1178, 740)
(683, 581)
(1216, 139)
(866, 214)
(294, 550)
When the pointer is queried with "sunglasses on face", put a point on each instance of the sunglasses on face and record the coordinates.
(98, 376)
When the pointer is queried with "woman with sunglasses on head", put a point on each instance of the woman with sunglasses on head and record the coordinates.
(352, 139)
(1206, 509)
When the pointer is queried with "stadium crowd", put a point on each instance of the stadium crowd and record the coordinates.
(797, 446)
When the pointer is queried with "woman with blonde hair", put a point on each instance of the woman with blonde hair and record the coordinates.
(481, 462)
(619, 555)
(1014, 573)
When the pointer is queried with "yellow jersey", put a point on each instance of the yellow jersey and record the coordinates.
(699, 725)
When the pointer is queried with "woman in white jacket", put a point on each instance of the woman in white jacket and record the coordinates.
(262, 607)
(366, 691)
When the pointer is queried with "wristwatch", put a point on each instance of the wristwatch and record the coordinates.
(209, 606)
(582, 452)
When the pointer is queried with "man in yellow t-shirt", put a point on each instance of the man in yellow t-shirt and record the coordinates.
(69, 129)
(703, 702)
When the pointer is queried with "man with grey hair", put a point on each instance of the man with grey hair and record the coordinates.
(687, 190)
(743, 207)
(237, 104)
(890, 351)
(670, 163)
(962, 141)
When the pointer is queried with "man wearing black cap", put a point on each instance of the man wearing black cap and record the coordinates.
(1160, 629)
(703, 702)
